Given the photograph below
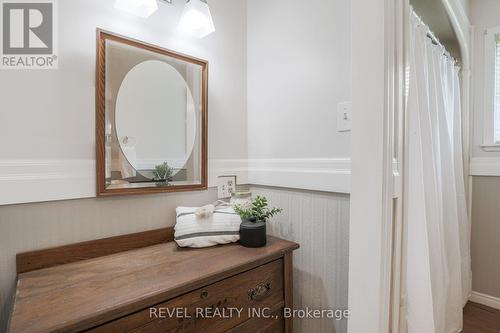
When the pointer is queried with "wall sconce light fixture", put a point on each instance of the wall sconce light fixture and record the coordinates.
(196, 19)
(142, 8)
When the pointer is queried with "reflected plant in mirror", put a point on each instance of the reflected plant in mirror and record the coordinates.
(151, 118)
(162, 174)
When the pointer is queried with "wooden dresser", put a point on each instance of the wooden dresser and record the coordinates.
(145, 283)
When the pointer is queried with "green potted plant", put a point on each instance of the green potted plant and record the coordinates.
(162, 174)
(254, 218)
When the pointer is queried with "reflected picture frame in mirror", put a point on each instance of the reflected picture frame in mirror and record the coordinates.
(123, 165)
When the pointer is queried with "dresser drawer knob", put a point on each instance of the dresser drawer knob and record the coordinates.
(204, 294)
(259, 292)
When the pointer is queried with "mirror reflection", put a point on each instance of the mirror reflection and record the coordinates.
(153, 119)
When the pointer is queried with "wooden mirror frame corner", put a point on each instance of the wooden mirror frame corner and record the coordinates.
(101, 190)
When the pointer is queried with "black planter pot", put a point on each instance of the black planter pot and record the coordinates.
(253, 233)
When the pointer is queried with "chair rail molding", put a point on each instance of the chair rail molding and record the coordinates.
(317, 174)
(227, 167)
(485, 166)
(24, 181)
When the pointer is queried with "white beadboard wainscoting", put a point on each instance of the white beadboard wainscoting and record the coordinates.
(319, 222)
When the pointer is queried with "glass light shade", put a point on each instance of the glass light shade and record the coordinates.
(196, 19)
(142, 8)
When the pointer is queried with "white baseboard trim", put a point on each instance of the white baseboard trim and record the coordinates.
(23, 181)
(492, 302)
(328, 174)
(485, 166)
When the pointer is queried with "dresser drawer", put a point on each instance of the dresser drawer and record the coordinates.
(272, 324)
(212, 308)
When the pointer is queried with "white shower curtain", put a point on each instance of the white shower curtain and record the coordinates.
(438, 277)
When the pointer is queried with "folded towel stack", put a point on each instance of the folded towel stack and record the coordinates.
(206, 229)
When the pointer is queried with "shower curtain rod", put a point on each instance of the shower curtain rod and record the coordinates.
(433, 37)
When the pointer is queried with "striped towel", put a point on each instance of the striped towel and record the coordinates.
(221, 227)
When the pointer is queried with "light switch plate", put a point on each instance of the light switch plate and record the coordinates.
(226, 185)
(344, 116)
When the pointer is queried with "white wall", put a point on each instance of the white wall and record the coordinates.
(47, 116)
(298, 70)
(47, 139)
(291, 132)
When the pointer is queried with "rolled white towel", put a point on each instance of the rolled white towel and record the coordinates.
(199, 228)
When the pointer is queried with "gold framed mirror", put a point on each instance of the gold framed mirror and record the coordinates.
(151, 118)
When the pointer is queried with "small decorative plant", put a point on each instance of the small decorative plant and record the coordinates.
(258, 210)
(162, 174)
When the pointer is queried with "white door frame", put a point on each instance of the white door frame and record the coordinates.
(377, 156)
(377, 148)
(376, 227)
(375, 141)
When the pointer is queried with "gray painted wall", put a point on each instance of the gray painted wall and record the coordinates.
(485, 237)
(485, 242)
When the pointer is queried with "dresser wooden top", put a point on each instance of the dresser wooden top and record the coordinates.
(87, 293)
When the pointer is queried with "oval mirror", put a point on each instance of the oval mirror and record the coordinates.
(155, 117)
